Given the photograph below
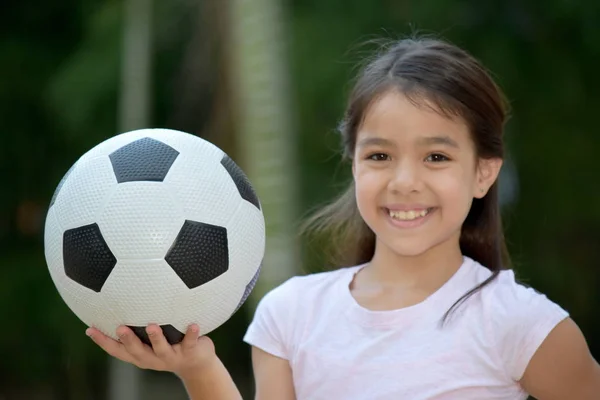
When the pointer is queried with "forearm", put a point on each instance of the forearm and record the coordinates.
(211, 383)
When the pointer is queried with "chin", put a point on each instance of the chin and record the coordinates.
(410, 248)
(419, 245)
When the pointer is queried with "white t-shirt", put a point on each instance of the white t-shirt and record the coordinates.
(340, 350)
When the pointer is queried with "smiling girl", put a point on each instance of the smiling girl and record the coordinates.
(427, 306)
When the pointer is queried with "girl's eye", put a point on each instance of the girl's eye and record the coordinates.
(436, 157)
(378, 157)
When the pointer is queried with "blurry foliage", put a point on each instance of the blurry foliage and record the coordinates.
(58, 98)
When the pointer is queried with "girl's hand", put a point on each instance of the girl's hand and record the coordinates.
(185, 359)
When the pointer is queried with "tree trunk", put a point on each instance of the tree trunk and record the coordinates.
(125, 380)
(261, 90)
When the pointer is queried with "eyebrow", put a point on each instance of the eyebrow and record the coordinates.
(375, 141)
(443, 140)
(429, 140)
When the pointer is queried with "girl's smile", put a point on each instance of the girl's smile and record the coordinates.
(408, 217)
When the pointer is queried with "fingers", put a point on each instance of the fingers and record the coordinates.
(109, 345)
(141, 353)
(129, 348)
(190, 340)
(161, 347)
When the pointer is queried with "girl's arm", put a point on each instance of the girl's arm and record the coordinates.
(211, 382)
(562, 367)
(273, 376)
(193, 360)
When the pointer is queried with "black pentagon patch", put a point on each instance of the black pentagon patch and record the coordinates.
(145, 159)
(248, 289)
(199, 254)
(60, 185)
(241, 181)
(87, 258)
(172, 334)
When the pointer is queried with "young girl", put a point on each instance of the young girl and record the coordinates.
(429, 309)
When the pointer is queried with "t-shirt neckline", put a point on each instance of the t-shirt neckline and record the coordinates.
(401, 316)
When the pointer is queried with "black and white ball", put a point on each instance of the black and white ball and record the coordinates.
(154, 226)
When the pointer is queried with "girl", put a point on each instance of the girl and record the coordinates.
(429, 309)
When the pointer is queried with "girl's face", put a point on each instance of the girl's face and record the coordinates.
(416, 174)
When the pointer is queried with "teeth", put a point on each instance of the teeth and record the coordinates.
(408, 215)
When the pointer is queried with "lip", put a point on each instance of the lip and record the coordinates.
(408, 224)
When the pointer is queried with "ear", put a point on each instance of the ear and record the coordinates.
(487, 173)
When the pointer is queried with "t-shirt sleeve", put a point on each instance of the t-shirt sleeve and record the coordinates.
(523, 320)
(270, 327)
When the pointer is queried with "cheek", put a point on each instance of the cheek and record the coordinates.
(364, 188)
(370, 179)
(455, 189)
(367, 189)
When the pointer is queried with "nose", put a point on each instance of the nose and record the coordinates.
(406, 178)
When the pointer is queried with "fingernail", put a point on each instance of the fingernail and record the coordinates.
(88, 332)
(195, 328)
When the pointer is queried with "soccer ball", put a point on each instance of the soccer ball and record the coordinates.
(154, 226)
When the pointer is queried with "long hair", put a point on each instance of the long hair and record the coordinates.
(430, 73)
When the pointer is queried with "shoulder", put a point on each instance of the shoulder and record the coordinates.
(518, 317)
(305, 288)
(507, 295)
(284, 312)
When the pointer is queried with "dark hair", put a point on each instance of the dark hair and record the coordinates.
(436, 74)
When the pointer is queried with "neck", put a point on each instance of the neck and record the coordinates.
(427, 271)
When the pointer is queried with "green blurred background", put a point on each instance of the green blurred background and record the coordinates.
(61, 93)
